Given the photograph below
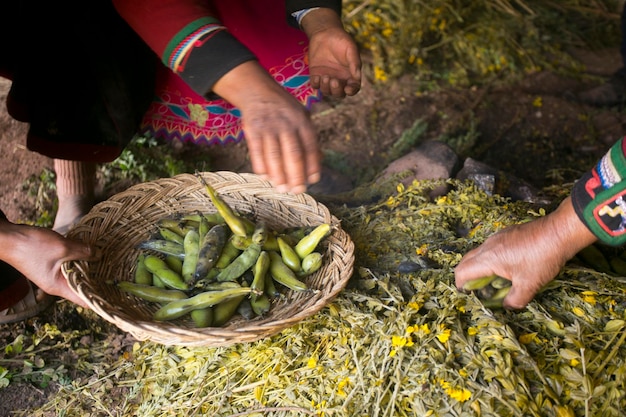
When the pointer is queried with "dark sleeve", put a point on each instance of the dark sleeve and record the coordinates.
(599, 197)
(212, 60)
(295, 5)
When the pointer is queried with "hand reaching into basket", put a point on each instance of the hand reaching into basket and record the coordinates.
(529, 254)
(38, 253)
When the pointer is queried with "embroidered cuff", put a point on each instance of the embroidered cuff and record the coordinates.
(599, 197)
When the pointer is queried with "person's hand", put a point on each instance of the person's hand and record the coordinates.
(281, 139)
(334, 60)
(38, 254)
(529, 254)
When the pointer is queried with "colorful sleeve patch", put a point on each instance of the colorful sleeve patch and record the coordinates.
(599, 197)
(190, 37)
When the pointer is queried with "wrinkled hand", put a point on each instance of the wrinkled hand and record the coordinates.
(38, 254)
(529, 254)
(281, 139)
(334, 60)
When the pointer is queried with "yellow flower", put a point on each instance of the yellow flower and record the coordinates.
(380, 74)
(538, 102)
(341, 385)
(459, 394)
(422, 250)
(312, 362)
(527, 338)
(472, 331)
(444, 335)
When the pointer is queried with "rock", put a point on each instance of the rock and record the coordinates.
(494, 181)
(428, 161)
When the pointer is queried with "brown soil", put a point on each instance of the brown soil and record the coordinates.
(550, 143)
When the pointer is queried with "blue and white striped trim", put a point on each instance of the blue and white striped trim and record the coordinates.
(299, 15)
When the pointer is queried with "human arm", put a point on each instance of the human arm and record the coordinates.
(334, 59)
(38, 253)
(530, 255)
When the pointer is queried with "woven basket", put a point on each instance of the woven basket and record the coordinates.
(115, 227)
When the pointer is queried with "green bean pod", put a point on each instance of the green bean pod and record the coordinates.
(229, 252)
(236, 223)
(192, 249)
(310, 264)
(171, 235)
(210, 250)
(270, 289)
(283, 274)
(172, 224)
(142, 275)
(175, 263)
(289, 255)
(260, 305)
(151, 293)
(261, 267)
(202, 317)
(176, 309)
(478, 283)
(309, 243)
(160, 269)
(225, 310)
(240, 264)
(163, 246)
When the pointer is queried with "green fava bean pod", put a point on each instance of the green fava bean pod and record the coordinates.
(311, 263)
(229, 252)
(236, 223)
(225, 310)
(202, 317)
(142, 275)
(160, 269)
(192, 249)
(176, 309)
(309, 243)
(210, 250)
(151, 293)
(283, 274)
(289, 255)
(260, 269)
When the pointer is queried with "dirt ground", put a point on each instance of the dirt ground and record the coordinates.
(532, 129)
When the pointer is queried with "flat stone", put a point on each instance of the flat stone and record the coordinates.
(430, 160)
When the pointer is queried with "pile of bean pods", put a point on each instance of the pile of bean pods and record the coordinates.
(215, 265)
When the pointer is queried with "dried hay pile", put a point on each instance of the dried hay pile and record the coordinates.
(397, 344)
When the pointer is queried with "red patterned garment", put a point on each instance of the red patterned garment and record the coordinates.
(210, 39)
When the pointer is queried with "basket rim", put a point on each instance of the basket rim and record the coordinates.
(231, 186)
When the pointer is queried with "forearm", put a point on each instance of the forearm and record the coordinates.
(565, 230)
(319, 20)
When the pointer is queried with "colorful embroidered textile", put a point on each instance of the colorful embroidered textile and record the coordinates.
(599, 197)
(179, 113)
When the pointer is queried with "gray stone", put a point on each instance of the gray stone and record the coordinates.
(429, 161)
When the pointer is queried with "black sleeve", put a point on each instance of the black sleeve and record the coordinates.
(209, 62)
(295, 5)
